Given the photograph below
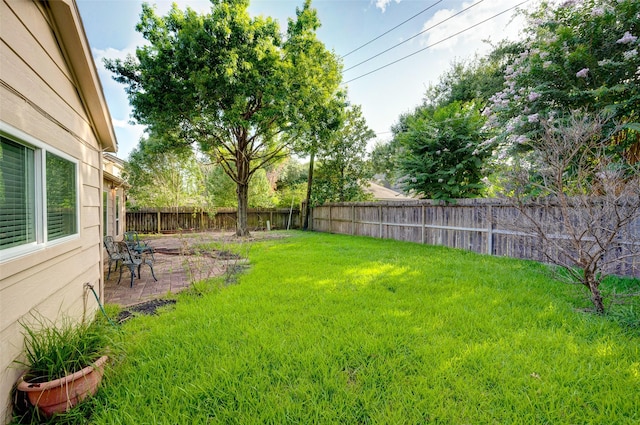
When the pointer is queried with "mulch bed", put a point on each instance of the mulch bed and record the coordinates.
(223, 255)
(149, 307)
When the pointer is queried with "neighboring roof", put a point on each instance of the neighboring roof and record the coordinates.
(117, 181)
(114, 159)
(383, 193)
(73, 40)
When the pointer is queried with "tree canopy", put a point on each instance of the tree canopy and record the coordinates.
(440, 155)
(343, 170)
(230, 83)
(160, 178)
(580, 55)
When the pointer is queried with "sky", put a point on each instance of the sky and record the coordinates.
(384, 94)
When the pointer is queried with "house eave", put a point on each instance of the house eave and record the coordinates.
(70, 33)
(117, 181)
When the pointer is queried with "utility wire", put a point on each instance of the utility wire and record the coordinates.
(414, 36)
(387, 32)
(437, 42)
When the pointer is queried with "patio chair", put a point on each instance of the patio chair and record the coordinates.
(133, 241)
(133, 260)
(112, 252)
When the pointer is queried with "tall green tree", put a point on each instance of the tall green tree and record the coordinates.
(441, 153)
(321, 118)
(221, 190)
(228, 82)
(473, 81)
(344, 169)
(291, 182)
(163, 179)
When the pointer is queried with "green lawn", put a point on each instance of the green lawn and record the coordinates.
(334, 329)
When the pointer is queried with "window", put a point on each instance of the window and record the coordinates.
(17, 195)
(38, 194)
(62, 217)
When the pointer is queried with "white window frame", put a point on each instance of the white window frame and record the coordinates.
(40, 181)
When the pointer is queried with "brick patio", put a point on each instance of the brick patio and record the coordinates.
(175, 266)
(174, 269)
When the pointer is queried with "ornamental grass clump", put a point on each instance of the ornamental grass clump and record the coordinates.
(53, 350)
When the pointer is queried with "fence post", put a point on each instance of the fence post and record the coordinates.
(423, 224)
(159, 227)
(330, 224)
(353, 220)
(380, 218)
(490, 229)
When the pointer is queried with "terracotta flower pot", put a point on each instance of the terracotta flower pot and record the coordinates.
(62, 394)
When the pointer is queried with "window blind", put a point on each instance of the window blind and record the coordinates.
(61, 197)
(17, 194)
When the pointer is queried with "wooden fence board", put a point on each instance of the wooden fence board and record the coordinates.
(166, 221)
(486, 226)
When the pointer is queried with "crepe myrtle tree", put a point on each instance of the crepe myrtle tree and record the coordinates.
(230, 83)
(579, 54)
(578, 198)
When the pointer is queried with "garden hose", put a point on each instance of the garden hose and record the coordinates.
(90, 286)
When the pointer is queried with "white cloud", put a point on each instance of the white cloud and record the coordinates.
(505, 26)
(382, 4)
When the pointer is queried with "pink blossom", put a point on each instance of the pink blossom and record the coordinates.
(630, 54)
(582, 73)
(533, 96)
(547, 64)
(533, 118)
(627, 38)
(597, 11)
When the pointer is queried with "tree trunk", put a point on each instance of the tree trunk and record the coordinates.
(242, 226)
(242, 189)
(308, 200)
(596, 295)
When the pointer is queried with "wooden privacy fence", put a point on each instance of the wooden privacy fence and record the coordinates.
(486, 226)
(190, 219)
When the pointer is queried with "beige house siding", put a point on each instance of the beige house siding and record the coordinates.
(50, 95)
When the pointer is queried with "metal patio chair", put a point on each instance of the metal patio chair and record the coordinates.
(133, 241)
(132, 260)
(112, 252)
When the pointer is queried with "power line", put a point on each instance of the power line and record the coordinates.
(387, 32)
(413, 36)
(437, 42)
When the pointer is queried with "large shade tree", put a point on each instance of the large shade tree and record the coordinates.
(231, 83)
